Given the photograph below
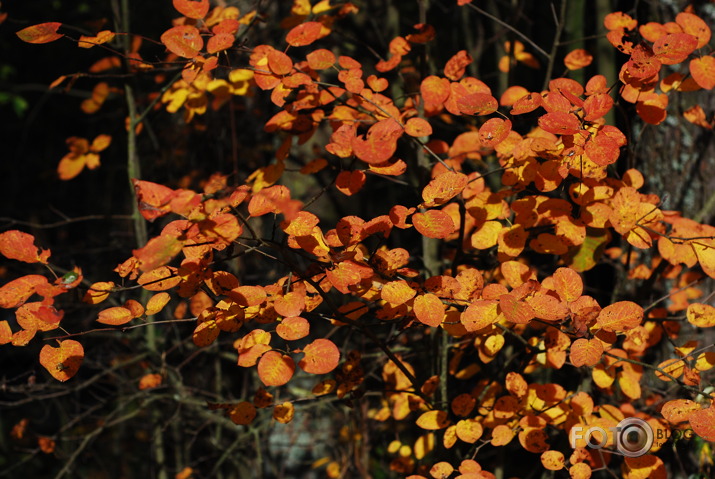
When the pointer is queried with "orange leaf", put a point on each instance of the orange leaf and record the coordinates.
(433, 224)
(275, 369)
(429, 309)
(469, 430)
(620, 316)
(444, 187)
(433, 420)
(159, 279)
(19, 290)
(115, 316)
(494, 131)
(321, 357)
(154, 199)
(320, 59)
(397, 292)
(183, 40)
(158, 251)
(441, 470)
(242, 413)
(696, 26)
(701, 315)
(149, 381)
(156, 303)
(219, 42)
(17, 245)
(703, 71)
(674, 48)
(477, 104)
(479, 315)
(380, 142)
(418, 127)
(703, 422)
(577, 59)
(553, 460)
(586, 352)
(678, 411)
(568, 284)
(560, 123)
(192, 8)
(502, 435)
(205, 333)
(283, 413)
(293, 328)
(350, 182)
(514, 310)
(41, 33)
(64, 361)
(304, 34)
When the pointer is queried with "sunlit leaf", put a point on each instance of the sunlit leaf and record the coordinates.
(703, 71)
(701, 315)
(304, 34)
(433, 224)
(433, 420)
(183, 40)
(703, 422)
(17, 245)
(62, 362)
(192, 8)
(321, 357)
(586, 352)
(275, 368)
(41, 33)
(115, 316)
(620, 316)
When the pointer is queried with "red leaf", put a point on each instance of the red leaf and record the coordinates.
(477, 104)
(321, 357)
(154, 199)
(433, 224)
(183, 40)
(158, 251)
(41, 33)
(560, 123)
(380, 142)
(64, 361)
(192, 8)
(674, 48)
(304, 34)
(494, 131)
(350, 182)
(219, 42)
(20, 246)
(17, 291)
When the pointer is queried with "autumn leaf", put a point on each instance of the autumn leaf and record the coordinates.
(433, 224)
(701, 315)
(192, 8)
(560, 123)
(586, 352)
(62, 362)
(443, 188)
(183, 40)
(703, 422)
(115, 316)
(321, 357)
(703, 71)
(429, 309)
(433, 420)
(275, 368)
(304, 34)
(41, 33)
(17, 245)
(620, 316)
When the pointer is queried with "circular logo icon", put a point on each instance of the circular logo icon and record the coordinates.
(634, 437)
